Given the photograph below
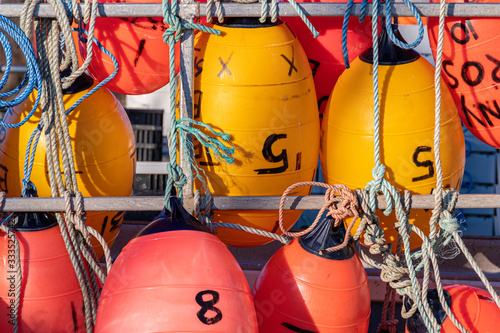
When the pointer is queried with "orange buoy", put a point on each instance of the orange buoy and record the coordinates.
(175, 277)
(303, 290)
(137, 43)
(51, 299)
(406, 82)
(254, 82)
(103, 144)
(325, 52)
(474, 309)
(471, 59)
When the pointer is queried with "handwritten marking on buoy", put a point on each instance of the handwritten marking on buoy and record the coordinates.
(197, 103)
(75, 319)
(295, 328)
(267, 152)
(198, 149)
(198, 67)
(291, 63)
(484, 109)
(139, 51)
(467, 30)
(3, 178)
(315, 65)
(428, 163)
(224, 65)
(208, 306)
(115, 222)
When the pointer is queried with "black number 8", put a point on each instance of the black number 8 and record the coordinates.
(208, 305)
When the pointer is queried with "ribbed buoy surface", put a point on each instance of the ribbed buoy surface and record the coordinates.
(51, 299)
(407, 130)
(176, 281)
(103, 145)
(325, 52)
(471, 59)
(137, 43)
(254, 82)
(301, 290)
(474, 309)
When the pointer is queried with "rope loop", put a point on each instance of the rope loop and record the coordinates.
(203, 209)
(389, 26)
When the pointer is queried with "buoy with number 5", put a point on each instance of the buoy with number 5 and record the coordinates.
(50, 296)
(471, 63)
(176, 277)
(302, 289)
(406, 82)
(137, 43)
(474, 309)
(254, 82)
(103, 145)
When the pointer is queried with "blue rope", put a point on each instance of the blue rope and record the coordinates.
(32, 80)
(176, 177)
(390, 31)
(103, 82)
(35, 136)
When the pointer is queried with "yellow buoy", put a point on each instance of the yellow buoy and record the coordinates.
(103, 145)
(406, 83)
(254, 82)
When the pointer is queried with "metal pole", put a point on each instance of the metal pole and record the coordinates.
(186, 104)
(284, 9)
(313, 202)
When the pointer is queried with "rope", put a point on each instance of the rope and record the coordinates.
(171, 36)
(388, 25)
(218, 11)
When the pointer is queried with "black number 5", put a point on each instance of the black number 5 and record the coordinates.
(267, 152)
(428, 164)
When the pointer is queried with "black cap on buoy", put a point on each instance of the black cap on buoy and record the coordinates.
(32, 221)
(324, 236)
(81, 83)
(176, 219)
(248, 22)
(390, 53)
(415, 324)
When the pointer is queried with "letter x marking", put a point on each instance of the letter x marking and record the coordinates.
(292, 66)
(224, 65)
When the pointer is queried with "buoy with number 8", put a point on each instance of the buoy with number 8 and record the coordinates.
(474, 309)
(176, 277)
(103, 146)
(471, 64)
(406, 82)
(254, 82)
(137, 43)
(302, 289)
(51, 299)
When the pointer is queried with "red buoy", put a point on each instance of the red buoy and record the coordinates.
(474, 309)
(138, 46)
(303, 290)
(175, 277)
(51, 299)
(471, 60)
(325, 51)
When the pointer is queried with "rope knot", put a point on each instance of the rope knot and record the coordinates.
(170, 17)
(178, 177)
(449, 225)
(378, 176)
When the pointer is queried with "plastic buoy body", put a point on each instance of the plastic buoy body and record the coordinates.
(103, 145)
(137, 43)
(298, 291)
(325, 52)
(255, 83)
(471, 57)
(406, 136)
(176, 281)
(51, 299)
(474, 309)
